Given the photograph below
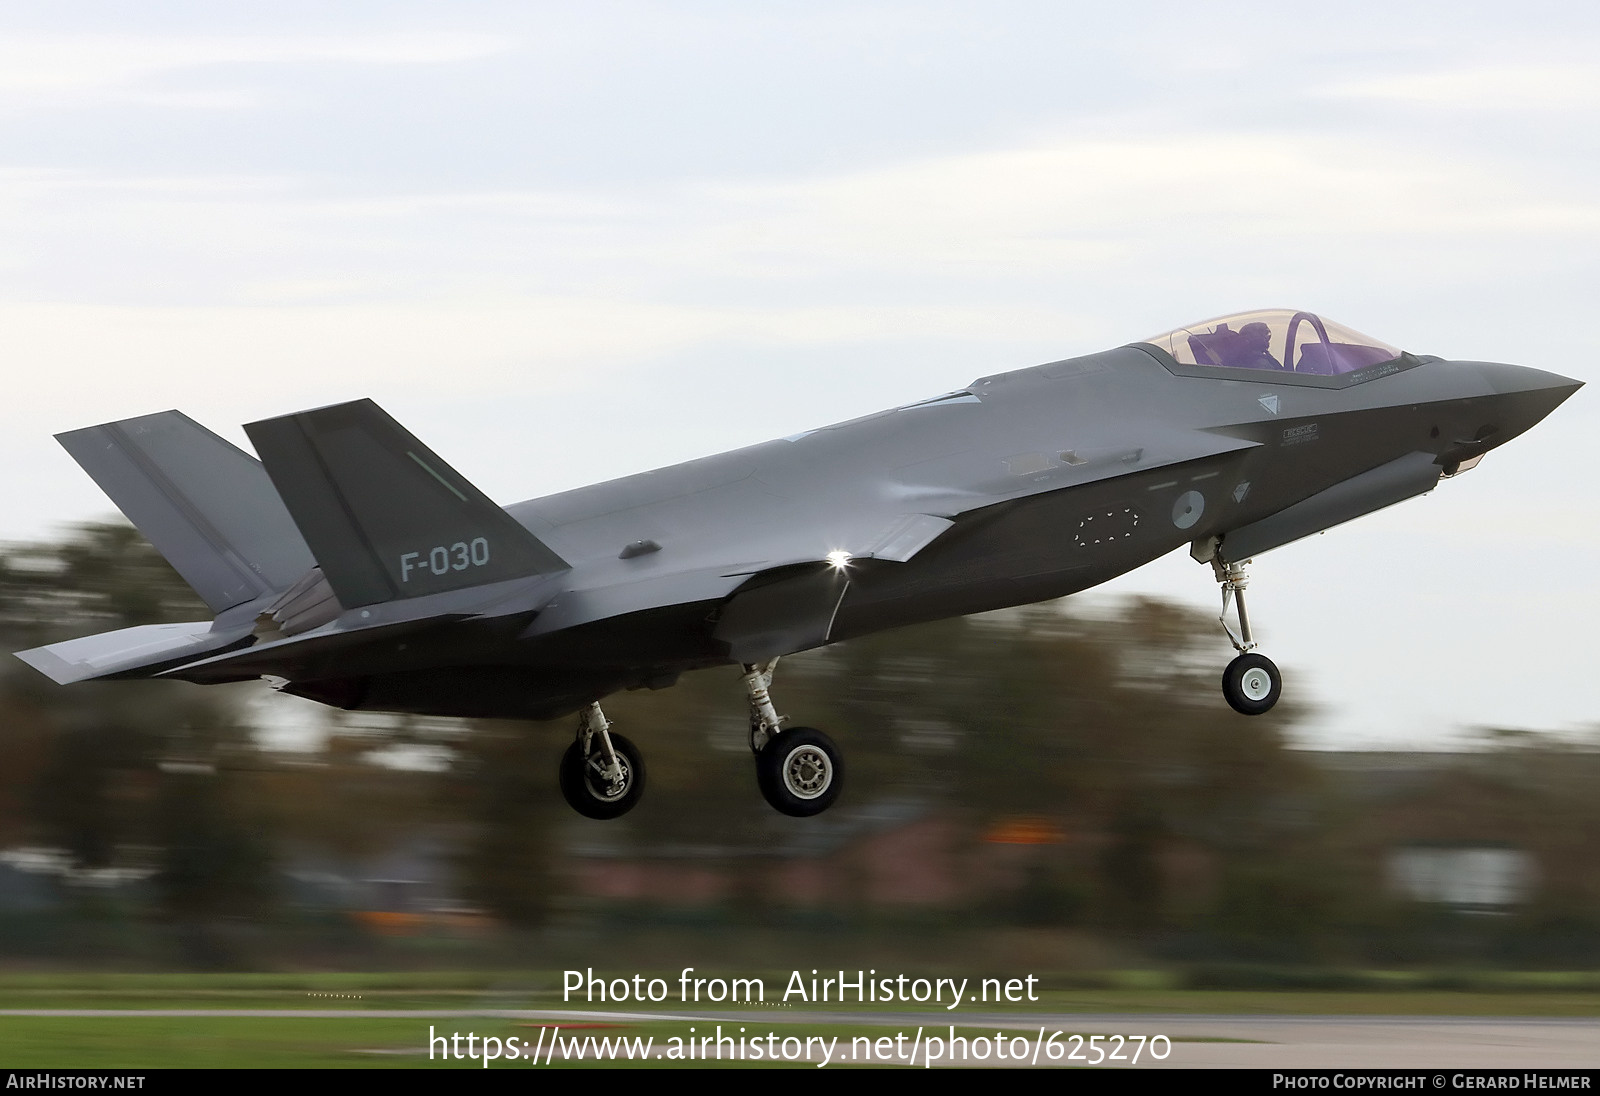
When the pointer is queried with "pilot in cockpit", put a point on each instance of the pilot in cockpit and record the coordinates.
(1255, 348)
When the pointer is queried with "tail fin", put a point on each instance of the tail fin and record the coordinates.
(384, 516)
(205, 504)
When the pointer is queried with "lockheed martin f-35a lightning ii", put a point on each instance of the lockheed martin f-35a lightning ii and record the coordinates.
(353, 566)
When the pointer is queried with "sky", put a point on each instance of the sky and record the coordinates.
(564, 243)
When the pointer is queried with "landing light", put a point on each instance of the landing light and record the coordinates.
(839, 558)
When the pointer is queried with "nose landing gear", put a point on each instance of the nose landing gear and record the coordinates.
(1251, 684)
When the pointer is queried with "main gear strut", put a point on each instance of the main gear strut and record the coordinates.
(799, 771)
(602, 774)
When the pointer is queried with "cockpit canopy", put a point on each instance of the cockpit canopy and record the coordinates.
(1276, 339)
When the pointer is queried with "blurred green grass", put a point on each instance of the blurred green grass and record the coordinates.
(58, 1042)
(1203, 990)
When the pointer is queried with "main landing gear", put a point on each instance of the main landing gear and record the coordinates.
(1251, 683)
(799, 771)
(602, 774)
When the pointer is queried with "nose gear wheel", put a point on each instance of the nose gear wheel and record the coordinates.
(1251, 684)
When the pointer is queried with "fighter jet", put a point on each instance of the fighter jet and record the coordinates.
(353, 566)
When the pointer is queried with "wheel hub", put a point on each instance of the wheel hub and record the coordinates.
(601, 785)
(807, 772)
(1256, 683)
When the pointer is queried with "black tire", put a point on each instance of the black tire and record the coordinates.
(800, 772)
(587, 792)
(1251, 684)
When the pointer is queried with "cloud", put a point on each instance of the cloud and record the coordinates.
(1504, 89)
(38, 71)
(1039, 205)
(1220, 198)
(119, 357)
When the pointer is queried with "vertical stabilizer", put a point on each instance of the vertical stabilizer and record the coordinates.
(205, 504)
(384, 516)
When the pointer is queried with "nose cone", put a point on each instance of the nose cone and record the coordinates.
(1522, 396)
(1517, 379)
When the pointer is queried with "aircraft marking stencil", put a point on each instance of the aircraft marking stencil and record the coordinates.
(352, 564)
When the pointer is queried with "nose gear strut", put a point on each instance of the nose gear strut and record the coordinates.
(1234, 577)
(1251, 684)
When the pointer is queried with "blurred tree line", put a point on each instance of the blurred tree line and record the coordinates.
(1158, 815)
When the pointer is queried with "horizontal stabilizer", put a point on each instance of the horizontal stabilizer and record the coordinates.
(206, 505)
(384, 516)
(144, 648)
(364, 642)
